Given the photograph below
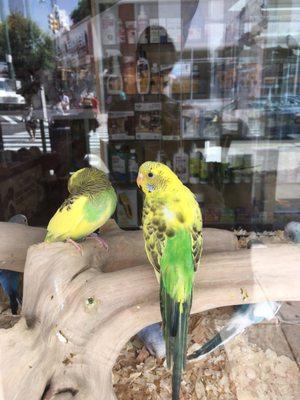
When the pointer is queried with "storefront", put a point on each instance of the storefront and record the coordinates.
(214, 94)
(210, 88)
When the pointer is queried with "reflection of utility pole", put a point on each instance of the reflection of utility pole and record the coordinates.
(8, 55)
(97, 53)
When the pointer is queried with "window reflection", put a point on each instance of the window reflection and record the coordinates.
(211, 89)
(208, 87)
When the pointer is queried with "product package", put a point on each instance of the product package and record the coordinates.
(165, 84)
(142, 25)
(143, 74)
(108, 21)
(155, 79)
(227, 216)
(181, 165)
(154, 31)
(133, 166)
(148, 120)
(118, 164)
(170, 120)
(114, 82)
(121, 125)
(211, 215)
(131, 31)
(129, 74)
(194, 164)
(163, 30)
(190, 123)
(174, 31)
(127, 208)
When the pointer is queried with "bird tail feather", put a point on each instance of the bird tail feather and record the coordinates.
(175, 322)
(13, 296)
(220, 339)
(207, 348)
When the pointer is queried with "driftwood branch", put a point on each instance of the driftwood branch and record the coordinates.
(76, 318)
(126, 249)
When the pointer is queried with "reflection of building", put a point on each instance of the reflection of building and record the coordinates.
(75, 58)
(16, 7)
(207, 72)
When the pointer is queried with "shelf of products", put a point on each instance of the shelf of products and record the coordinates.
(186, 107)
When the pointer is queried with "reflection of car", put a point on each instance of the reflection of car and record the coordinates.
(200, 118)
(242, 118)
(287, 110)
(9, 99)
(278, 117)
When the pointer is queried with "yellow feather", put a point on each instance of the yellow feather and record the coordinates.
(71, 223)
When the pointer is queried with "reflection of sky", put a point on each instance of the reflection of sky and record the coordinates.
(39, 10)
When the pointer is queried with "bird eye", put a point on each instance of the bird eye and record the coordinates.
(150, 175)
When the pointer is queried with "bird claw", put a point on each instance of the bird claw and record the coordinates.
(76, 245)
(99, 240)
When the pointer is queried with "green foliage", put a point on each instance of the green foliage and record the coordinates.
(32, 50)
(81, 11)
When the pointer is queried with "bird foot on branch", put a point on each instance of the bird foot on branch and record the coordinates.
(101, 241)
(76, 245)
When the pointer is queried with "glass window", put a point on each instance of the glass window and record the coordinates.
(209, 88)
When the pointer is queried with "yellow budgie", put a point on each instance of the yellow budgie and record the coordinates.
(172, 227)
(91, 203)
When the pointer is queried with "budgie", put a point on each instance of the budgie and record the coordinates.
(172, 228)
(292, 231)
(19, 219)
(244, 316)
(91, 202)
(10, 281)
(152, 337)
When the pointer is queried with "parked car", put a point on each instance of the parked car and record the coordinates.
(9, 99)
(277, 117)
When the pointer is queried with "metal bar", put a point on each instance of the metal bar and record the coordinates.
(42, 128)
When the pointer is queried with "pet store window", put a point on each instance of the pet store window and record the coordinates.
(209, 88)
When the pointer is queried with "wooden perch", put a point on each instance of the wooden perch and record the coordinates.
(76, 318)
(126, 249)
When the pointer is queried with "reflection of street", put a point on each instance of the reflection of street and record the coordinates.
(10, 119)
(17, 140)
(15, 135)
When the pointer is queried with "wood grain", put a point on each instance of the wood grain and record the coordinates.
(76, 318)
(126, 249)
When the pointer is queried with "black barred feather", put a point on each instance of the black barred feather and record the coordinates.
(88, 181)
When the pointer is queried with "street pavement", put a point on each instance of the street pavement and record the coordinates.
(15, 137)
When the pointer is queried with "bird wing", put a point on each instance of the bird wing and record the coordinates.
(197, 238)
(160, 222)
(67, 218)
(155, 232)
(80, 215)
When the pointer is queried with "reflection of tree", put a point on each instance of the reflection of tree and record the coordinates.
(32, 51)
(81, 11)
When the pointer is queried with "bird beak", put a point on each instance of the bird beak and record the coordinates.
(139, 180)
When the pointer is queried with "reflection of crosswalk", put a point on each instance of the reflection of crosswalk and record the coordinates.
(21, 139)
(10, 119)
(18, 140)
(94, 140)
(13, 119)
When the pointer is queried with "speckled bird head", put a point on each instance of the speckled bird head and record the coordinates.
(88, 180)
(155, 176)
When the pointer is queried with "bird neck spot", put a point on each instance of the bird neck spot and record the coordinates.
(168, 214)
